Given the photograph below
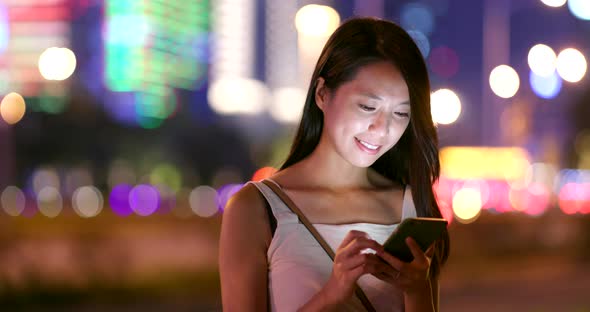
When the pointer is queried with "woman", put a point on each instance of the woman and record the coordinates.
(365, 140)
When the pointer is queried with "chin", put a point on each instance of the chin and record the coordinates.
(363, 163)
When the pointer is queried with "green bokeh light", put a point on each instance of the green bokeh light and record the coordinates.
(168, 175)
(170, 57)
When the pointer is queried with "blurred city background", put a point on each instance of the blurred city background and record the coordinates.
(127, 124)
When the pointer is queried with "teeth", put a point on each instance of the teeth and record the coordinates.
(369, 146)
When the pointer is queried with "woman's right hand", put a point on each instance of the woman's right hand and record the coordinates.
(350, 263)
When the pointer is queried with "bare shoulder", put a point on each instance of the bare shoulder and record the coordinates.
(243, 243)
(245, 213)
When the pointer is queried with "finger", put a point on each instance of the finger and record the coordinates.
(381, 266)
(359, 244)
(416, 250)
(350, 236)
(353, 262)
(394, 262)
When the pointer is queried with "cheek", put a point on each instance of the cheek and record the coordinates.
(398, 130)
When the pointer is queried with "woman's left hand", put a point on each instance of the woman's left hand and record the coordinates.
(411, 277)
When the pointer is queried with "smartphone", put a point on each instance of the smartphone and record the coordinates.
(423, 230)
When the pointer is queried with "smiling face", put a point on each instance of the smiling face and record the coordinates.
(366, 116)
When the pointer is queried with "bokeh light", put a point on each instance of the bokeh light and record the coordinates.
(467, 204)
(46, 177)
(539, 197)
(490, 163)
(237, 96)
(13, 201)
(144, 199)
(504, 81)
(554, 3)
(580, 8)
(571, 65)
(4, 28)
(263, 173)
(287, 104)
(417, 16)
(575, 198)
(541, 173)
(421, 41)
(546, 87)
(445, 106)
(203, 201)
(57, 63)
(87, 201)
(75, 178)
(542, 60)
(316, 20)
(167, 175)
(12, 108)
(444, 61)
(119, 200)
(225, 192)
(129, 30)
(49, 201)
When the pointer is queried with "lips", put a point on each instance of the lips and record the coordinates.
(367, 147)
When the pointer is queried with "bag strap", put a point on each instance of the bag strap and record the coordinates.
(359, 291)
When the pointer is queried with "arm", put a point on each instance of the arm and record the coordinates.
(245, 235)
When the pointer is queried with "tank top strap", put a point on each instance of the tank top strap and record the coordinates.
(408, 207)
(280, 211)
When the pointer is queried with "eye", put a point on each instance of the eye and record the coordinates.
(366, 108)
(402, 114)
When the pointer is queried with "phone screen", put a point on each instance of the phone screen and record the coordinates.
(423, 230)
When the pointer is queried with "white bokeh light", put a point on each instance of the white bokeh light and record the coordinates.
(49, 201)
(237, 96)
(287, 104)
(57, 63)
(316, 20)
(45, 177)
(87, 201)
(571, 65)
(445, 106)
(504, 81)
(13, 201)
(467, 204)
(541, 59)
(554, 3)
(203, 201)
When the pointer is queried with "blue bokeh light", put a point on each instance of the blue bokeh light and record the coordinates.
(580, 8)
(421, 41)
(416, 16)
(545, 87)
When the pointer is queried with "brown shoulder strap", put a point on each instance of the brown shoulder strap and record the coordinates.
(359, 291)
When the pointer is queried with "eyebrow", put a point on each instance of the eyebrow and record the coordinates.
(376, 97)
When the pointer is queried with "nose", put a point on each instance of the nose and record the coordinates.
(380, 124)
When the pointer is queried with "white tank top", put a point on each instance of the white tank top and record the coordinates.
(298, 267)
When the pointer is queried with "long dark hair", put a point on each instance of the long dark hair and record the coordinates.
(414, 159)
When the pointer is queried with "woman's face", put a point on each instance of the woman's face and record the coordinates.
(365, 117)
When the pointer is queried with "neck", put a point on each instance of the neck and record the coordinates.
(324, 168)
